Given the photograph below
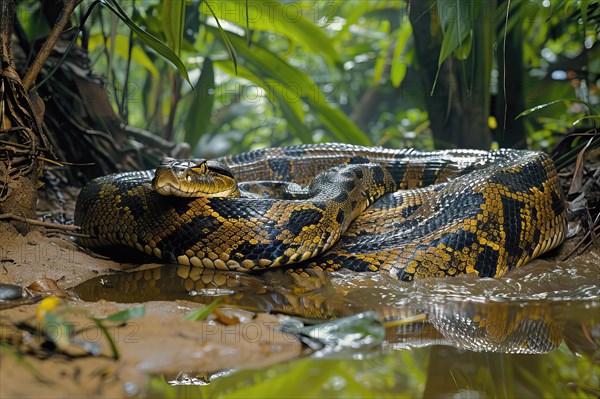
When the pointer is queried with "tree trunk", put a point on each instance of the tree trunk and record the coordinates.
(23, 145)
(459, 107)
(510, 132)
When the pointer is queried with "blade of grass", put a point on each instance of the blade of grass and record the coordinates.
(111, 342)
(226, 41)
(565, 101)
(202, 313)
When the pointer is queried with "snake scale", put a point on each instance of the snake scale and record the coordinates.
(409, 213)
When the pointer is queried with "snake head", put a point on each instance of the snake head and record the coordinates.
(194, 178)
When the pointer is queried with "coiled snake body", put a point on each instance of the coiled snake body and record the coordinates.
(413, 214)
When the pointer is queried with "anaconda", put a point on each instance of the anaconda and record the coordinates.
(410, 213)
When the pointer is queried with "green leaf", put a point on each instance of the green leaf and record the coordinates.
(589, 117)
(35, 25)
(398, 71)
(226, 41)
(277, 93)
(272, 16)
(173, 17)
(200, 111)
(202, 313)
(162, 49)
(457, 18)
(295, 123)
(122, 49)
(63, 329)
(361, 331)
(127, 314)
(565, 101)
(109, 337)
(295, 87)
(463, 51)
(382, 58)
(583, 6)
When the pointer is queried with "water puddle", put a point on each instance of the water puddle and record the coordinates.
(518, 335)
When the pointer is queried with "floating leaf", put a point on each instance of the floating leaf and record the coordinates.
(361, 331)
(127, 314)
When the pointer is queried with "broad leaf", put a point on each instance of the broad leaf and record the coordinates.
(162, 49)
(382, 58)
(277, 94)
(200, 111)
(122, 49)
(457, 18)
(296, 86)
(398, 71)
(272, 16)
(226, 40)
(173, 17)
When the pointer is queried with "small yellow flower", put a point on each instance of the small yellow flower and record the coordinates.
(46, 305)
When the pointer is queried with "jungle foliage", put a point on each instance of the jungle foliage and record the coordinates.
(423, 74)
(228, 76)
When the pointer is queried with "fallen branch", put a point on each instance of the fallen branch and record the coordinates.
(35, 222)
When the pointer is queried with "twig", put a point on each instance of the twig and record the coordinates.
(590, 234)
(49, 44)
(70, 233)
(37, 222)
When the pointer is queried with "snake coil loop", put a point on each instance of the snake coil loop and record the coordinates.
(413, 214)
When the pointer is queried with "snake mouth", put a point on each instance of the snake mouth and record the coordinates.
(180, 191)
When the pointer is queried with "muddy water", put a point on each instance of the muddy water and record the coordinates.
(533, 333)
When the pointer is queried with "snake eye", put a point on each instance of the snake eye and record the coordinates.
(200, 168)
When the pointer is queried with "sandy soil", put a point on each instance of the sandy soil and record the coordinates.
(159, 342)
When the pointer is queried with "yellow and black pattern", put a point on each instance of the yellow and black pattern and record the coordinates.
(413, 214)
